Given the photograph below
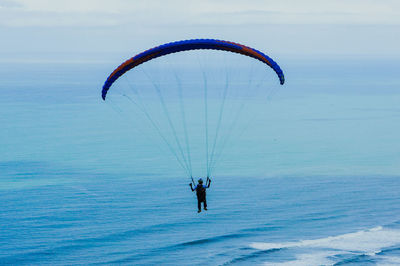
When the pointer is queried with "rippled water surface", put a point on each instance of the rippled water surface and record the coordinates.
(316, 184)
(106, 219)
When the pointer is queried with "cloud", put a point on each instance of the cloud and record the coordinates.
(45, 19)
(312, 27)
(9, 4)
(305, 12)
(89, 13)
(81, 13)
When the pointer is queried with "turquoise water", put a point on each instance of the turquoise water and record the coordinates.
(315, 182)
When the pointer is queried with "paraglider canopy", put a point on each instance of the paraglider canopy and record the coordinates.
(186, 45)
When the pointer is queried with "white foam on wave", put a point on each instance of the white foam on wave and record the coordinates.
(368, 242)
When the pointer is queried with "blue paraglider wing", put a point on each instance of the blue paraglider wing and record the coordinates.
(186, 45)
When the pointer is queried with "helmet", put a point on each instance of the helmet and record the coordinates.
(200, 181)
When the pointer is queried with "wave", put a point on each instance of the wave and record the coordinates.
(390, 250)
(212, 239)
(247, 257)
(358, 247)
(175, 247)
(68, 246)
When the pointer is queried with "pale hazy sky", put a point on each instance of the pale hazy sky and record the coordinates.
(34, 29)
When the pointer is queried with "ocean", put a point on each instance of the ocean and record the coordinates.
(315, 182)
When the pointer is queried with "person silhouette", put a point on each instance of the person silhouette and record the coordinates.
(201, 193)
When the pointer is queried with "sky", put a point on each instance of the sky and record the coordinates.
(40, 30)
